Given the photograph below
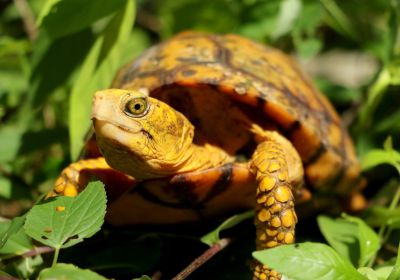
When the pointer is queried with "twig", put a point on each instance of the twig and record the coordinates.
(27, 18)
(38, 251)
(203, 258)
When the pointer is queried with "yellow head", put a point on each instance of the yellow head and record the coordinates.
(139, 135)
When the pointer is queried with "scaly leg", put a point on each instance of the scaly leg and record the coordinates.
(278, 170)
(77, 175)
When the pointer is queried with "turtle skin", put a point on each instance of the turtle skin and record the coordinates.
(253, 103)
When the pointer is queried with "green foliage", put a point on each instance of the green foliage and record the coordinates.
(47, 79)
(68, 271)
(213, 237)
(62, 221)
(308, 261)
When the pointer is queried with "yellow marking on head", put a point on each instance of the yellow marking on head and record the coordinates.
(289, 238)
(276, 222)
(274, 166)
(283, 194)
(263, 237)
(271, 232)
(288, 218)
(263, 215)
(271, 244)
(70, 190)
(267, 183)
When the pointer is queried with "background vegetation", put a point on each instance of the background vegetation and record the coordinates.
(54, 54)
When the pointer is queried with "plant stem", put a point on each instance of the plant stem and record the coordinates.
(203, 258)
(55, 258)
(383, 232)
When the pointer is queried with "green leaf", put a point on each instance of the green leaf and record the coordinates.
(5, 188)
(395, 274)
(54, 62)
(97, 72)
(342, 236)
(62, 221)
(289, 11)
(308, 260)
(213, 237)
(10, 141)
(369, 273)
(12, 228)
(143, 277)
(63, 271)
(14, 241)
(67, 17)
(377, 216)
(379, 156)
(308, 47)
(340, 21)
(368, 240)
(384, 272)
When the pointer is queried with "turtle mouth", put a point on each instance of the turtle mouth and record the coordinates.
(100, 122)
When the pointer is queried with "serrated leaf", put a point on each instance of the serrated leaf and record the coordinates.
(62, 221)
(67, 17)
(395, 274)
(63, 271)
(97, 72)
(368, 240)
(213, 237)
(342, 236)
(308, 260)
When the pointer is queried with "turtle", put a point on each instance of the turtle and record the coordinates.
(203, 125)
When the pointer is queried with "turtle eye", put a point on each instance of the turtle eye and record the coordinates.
(136, 107)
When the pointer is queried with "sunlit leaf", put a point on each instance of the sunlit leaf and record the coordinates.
(66, 17)
(68, 271)
(288, 13)
(395, 274)
(97, 72)
(13, 238)
(62, 221)
(342, 235)
(308, 260)
(368, 239)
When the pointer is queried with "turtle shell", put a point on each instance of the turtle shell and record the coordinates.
(263, 79)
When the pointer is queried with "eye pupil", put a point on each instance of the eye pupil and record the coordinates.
(136, 107)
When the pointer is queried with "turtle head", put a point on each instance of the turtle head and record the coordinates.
(139, 135)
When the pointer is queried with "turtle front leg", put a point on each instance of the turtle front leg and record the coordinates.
(278, 170)
(77, 175)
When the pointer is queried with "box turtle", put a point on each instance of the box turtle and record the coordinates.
(203, 125)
